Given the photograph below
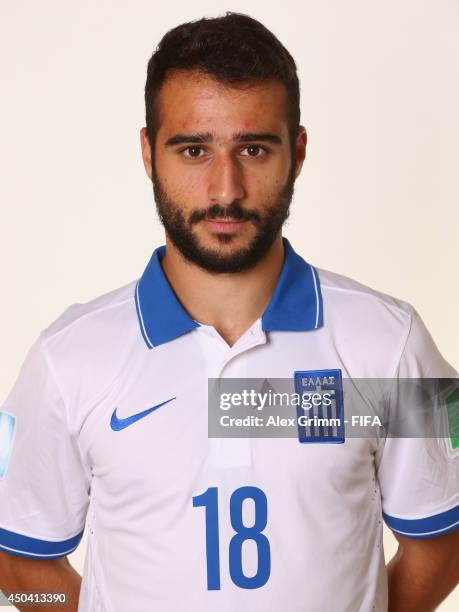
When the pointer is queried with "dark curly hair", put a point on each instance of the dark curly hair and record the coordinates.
(235, 49)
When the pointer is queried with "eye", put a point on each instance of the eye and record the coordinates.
(254, 151)
(192, 152)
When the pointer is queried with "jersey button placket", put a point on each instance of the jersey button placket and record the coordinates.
(234, 452)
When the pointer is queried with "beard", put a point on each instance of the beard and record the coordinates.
(268, 223)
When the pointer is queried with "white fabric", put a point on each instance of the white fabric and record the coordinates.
(147, 543)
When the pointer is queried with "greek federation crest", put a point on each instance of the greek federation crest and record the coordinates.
(321, 413)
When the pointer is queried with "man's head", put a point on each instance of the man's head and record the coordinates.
(223, 141)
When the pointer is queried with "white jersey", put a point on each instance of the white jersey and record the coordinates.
(107, 427)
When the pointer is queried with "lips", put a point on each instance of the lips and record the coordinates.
(224, 226)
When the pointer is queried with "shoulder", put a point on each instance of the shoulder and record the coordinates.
(343, 290)
(357, 305)
(367, 326)
(103, 312)
(380, 324)
(90, 343)
(93, 339)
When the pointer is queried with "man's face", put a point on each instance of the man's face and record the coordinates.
(223, 171)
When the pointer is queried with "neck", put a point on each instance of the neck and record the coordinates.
(230, 303)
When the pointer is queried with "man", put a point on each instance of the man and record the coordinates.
(108, 420)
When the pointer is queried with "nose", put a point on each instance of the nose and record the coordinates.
(225, 181)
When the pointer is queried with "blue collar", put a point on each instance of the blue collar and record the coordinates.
(295, 305)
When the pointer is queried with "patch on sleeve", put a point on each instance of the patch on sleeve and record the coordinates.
(452, 407)
(7, 429)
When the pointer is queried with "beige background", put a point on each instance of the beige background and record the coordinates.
(377, 200)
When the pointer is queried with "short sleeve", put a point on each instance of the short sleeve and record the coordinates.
(44, 486)
(419, 476)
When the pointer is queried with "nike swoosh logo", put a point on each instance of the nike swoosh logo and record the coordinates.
(118, 424)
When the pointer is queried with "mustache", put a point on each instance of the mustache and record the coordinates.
(217, 211)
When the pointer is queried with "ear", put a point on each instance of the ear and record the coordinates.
(146, 151)
(300, 149)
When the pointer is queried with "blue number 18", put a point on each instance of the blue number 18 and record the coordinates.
(209, 500)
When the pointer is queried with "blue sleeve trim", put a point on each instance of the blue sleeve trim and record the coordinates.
(428, 527)
(24, 546)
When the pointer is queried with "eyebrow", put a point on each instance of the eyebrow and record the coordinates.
(238, 137)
